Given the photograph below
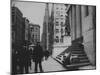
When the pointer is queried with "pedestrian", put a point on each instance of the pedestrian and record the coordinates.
(21, 58)
(29, 59)
(38, 57)
(26, 59)
(46, 53)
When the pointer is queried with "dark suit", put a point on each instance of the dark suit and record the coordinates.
(37, 57)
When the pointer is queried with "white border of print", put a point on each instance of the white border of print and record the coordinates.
(5, 37)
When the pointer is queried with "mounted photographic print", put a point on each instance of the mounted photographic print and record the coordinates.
(52, 37)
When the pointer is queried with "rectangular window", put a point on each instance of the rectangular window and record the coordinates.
(61, 31)
(58, 13)
(57, 30)
(61, 15)
(61, 40)
(57, 18)
(33, 36)
(61, 8)
(57, 23)
(61, 23)
(57, 39)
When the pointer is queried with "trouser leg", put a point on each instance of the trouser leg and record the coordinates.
(36, 65)
(40, 66)
(26, 67)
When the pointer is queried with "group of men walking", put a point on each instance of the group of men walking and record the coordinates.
(22, 58)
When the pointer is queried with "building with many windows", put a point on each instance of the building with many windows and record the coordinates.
(26, 31)
(34, 33)
(59, 25)
(17, 27)
(53, 37)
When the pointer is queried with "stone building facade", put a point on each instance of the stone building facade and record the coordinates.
(61, 39)
(26, 31)
(34, 33)
(17, 28)
(59, 24)
(54, 38)
(82, 20)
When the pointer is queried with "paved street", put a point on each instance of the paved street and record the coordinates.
(49, 65)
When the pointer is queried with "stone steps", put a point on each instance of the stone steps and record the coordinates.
(78, 57)
(77, 65)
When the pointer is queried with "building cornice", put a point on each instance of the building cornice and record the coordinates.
(67, 10)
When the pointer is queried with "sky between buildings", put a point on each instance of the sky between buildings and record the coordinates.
(34, 11)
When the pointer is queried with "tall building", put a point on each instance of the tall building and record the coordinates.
(45, 34)
(34, 33)
(51, 30)
(17, 40)
(59, 24)
(17, 27)
(61, 39)
(26, 31)
(82, 20)
(54, 29)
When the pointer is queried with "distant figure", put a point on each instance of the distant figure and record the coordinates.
(46, 54)
(67, 30)
(26, 59)
(37, 57)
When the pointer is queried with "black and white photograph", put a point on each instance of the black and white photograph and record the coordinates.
(52, 37)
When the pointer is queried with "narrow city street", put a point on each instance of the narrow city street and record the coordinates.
(63, 33)
(49, 65)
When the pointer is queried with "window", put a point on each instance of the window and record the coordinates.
(61, 8)
(61, 40)
(31, 29)
(57, 23)
(61, 23)
(36, 29)
(57, 30)
(33, 36)
(61, 15)
(57, 39)
(57, 18)
(58, 12)
(61, 30)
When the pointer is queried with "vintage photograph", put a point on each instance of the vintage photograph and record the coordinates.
(52, 37)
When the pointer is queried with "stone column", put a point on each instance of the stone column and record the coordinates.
(73, 22)
(78, 21)
(82, 17)
(70, 19)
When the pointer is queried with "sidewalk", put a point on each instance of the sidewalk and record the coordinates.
(52, 65)
(49, 65)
